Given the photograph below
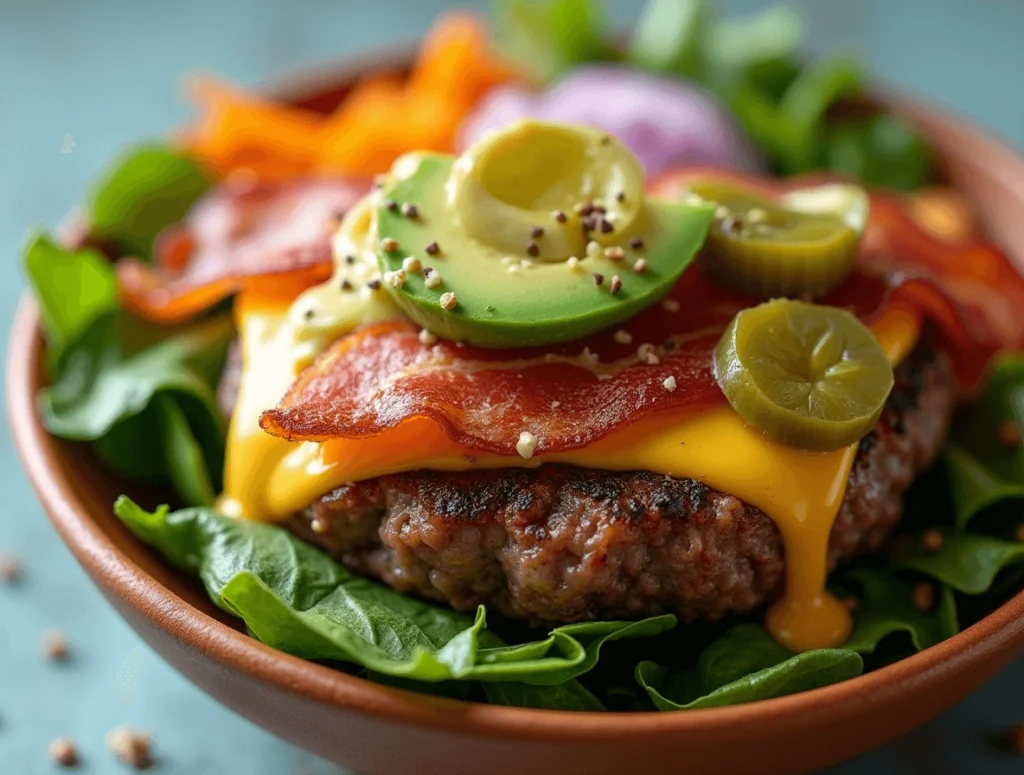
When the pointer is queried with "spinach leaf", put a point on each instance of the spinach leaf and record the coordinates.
(146, 190)
(967, 562)
(571, 695)
(295, 598)
(73, 289)
(548, 37)
(886, 607)
(744, 665)
(984, 466)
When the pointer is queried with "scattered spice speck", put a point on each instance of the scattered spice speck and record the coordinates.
(513, 269)
(433, 279)
(318, 526)
(559, 215)
(532, 249)
(614, 253)
(410, 210)
(390, 244)
(526, 445)
(615, 285)
(350, 259)
(55, 646)
(64, 753)
(374, 283)
(448, 301)
(639, 266)
(391, 205)
(432, 248)
(573, 263)
(669, 384)
(923, 596)
(395, 279)
(537, 232)
(427, 338)
(598, 279)
(131, 747)
(346, 285)
(636, 243)
(622, 336)
(411, 264)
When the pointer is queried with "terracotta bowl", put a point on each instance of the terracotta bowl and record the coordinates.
(375, 729)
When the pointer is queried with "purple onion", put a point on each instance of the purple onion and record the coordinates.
(665, 122)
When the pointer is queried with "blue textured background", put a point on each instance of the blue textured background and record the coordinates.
(107, 73)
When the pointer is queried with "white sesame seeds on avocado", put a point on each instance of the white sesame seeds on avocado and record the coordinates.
(513, 269)
(593, 249)
(411, 264)
(389, 244)
(639, 266)
(614, 253)
(615, 285)
(433, 279)
(573, 263)
(395, 279)
(448, 301)
(526, 445)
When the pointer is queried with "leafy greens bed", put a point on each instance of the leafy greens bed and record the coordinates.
(144, 398)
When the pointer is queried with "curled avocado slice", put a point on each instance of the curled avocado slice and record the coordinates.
(540, 233)
(802, 245)
(807, 375)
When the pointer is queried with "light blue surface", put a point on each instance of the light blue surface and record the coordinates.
(107, 73)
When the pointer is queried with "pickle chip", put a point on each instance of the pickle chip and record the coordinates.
(807, 375)
(803, 245)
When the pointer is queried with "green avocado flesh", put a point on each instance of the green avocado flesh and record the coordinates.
(539, 301)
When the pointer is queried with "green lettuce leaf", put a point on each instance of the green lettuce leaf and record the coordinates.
(968, 562)
(744, 665)
(882, 151)
(670, 37)
(295, 598)
(73, 288)
(548, 37)
(571, 695)
(144, 191)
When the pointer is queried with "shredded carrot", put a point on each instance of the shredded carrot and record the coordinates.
(383, 117)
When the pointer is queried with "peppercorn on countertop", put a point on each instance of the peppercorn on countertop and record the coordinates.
(82, 80)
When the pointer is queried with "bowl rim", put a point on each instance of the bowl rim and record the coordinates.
(232, 649)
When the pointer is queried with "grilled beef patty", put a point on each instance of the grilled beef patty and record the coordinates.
(561, 543)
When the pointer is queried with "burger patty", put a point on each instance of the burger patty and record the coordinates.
(561, 543)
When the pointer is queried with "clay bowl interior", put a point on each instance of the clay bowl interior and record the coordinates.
(375, 729)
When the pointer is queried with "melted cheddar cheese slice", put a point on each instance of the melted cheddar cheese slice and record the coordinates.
(801, 491)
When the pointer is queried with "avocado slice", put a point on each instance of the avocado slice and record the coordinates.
(469, 286)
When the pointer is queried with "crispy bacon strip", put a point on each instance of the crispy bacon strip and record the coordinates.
(241, 231)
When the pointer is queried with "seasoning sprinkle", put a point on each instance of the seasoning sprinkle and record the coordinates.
(350, 259)
(55, 646)
(721, 211)
(346, 285)
(606, 226)
(670, 305)
(411, 264)
(395, 279)
(756, 214)
(448, 301)
(131, 746)
(555, 404)
(923, 596)
(636, 243)
(389, 244)
(622, 336)
(391, 205)
(374, 283)
(593, 249)
(64, 753)
(615, 286)
(932, 540)
(639, 266)
(620, 196)
(669, 384)
(318, 526)
(526, 445)
(432, 248)
(614, 253)
(427, 338)
(573, 263)
(514, 269)
(433, 279)
(409, 210)
(532, 249)
(559, 215)
(598, 278)
(537, 232)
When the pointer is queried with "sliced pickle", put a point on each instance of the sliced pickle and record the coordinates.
(803, 245)
(807, 375)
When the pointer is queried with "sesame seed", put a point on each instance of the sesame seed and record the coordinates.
(669, 384)
(756, 214)
(411, 264)
(932, 540)
(555, 404)
(432, 249)
(559, 215)
(593, 249)
(389, 244)
(532, 249)
(526, 445)
(395, 279)
(131, 746)
(590, 356)
(427, 338)
(732, 224)
(598, 278)
(573, 262)
(55, 646)
(537, 232)
(514, 269)
(391, 205)
(606, 226)
(622, 336)
(433, 279)
(646, 353)
(350, 259)
(1009, 434)
(620, 196)
(346, 285)
(318, 526)
(614, 253)
(64, 753)
(615, 286)
(636, 243)
(721, 211)
(923, 596)
(410, 210)
(639, 266)
(670, 305)
(10, 569)
(374, 283)
(448, 301)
